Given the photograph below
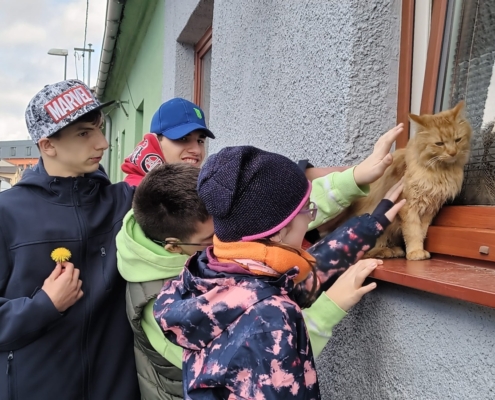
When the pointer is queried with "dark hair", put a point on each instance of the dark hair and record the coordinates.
(303, 298)
(166, 203)
(94, 117)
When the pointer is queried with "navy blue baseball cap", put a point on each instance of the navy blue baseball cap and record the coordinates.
(177, 118)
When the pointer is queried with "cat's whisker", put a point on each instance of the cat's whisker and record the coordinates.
(431, 162)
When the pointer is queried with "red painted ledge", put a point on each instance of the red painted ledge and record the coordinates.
(455, 277)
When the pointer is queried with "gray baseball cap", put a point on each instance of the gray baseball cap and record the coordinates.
(58, 105)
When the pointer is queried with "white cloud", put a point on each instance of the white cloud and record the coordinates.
(28, 29)
(22, 33)
(12, 127)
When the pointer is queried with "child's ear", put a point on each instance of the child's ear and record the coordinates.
(45, 145)
(172, 245)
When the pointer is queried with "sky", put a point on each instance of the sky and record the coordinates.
(28, 29)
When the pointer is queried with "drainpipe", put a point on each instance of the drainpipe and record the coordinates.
(112, 24)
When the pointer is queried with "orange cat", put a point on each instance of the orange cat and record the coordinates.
(433, 168)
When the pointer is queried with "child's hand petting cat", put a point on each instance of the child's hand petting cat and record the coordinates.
(393, 194)
(386, 210)
(375, 165)
(349, 289)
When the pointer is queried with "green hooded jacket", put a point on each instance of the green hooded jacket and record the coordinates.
(145, 265)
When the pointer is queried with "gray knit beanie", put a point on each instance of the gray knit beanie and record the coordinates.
(251, 193)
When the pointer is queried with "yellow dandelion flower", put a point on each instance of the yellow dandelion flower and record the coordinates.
(60, 255)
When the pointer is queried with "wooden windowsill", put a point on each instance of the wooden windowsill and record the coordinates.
(455, 277)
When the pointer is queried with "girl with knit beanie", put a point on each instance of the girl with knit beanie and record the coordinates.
(234, 309)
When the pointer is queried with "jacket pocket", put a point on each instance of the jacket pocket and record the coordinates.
(11, 387)
(104, 271)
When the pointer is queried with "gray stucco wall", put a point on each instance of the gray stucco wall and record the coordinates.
(185, 23)
(313, 79)
(402, 343)
(317, 79)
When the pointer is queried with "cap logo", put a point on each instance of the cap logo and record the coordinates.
(69, 101)
(198, 113)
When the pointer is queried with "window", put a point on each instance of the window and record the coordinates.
(28, 151)
(139, 126)
(121, 146)
(12, 151)
(467, 73)
(460, 59)
(202, 73)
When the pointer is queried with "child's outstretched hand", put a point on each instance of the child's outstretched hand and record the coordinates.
(388, 207)
(348, 290)
(375, 165)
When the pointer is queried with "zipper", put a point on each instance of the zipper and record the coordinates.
(103, 254)
(87, 304)
(10, 375)
(10, 357)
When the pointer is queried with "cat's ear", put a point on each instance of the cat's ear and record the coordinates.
(418, 123)
(458, 110)
(416, 118)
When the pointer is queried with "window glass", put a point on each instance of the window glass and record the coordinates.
(467, 73)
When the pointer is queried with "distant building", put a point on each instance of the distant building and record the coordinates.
(22, 153)
(4, 185)
(9, 173)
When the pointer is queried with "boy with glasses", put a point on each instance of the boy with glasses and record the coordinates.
(168, 223)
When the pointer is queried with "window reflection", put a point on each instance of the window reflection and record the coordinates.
(468, 57)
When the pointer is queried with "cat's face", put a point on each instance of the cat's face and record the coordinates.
(442, 138)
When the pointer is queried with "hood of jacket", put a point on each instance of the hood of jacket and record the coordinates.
(198, 306)
(146, 156)
(59, 190)
(141, 260)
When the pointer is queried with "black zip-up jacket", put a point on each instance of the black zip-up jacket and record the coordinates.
(86, 352)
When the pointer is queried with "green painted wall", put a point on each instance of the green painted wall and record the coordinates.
(135, 78)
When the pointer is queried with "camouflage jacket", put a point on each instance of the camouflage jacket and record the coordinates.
(244, 336)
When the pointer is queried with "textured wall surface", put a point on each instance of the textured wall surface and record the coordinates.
(177, 13)
(185, 23)
(313, 79)
(402, 343)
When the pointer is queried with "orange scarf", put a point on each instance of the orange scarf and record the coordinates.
(261, 259)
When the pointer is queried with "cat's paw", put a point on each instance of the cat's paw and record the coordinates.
(398, 252)
(417, 255)
(385, 252)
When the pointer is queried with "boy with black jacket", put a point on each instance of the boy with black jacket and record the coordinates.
(64, 332)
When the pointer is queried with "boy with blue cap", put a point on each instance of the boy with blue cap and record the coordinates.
(178, 133)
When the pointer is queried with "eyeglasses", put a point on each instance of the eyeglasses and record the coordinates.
(311, 209)
(165, 242)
